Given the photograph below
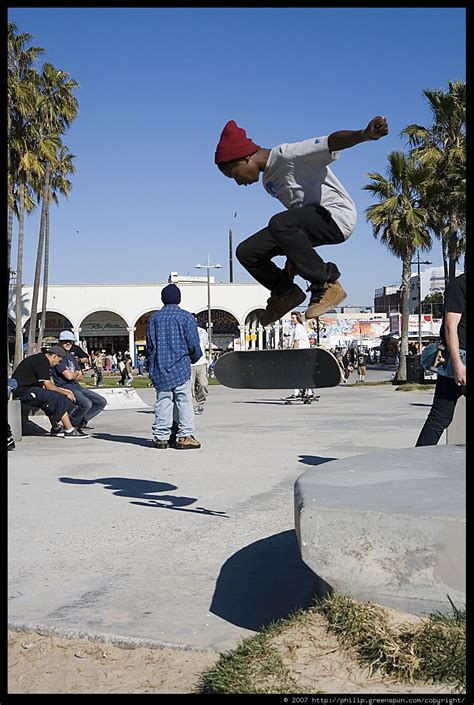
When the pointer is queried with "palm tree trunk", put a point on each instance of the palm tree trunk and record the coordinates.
(45, 281)
(9, 260)
(445, 263)
(401, 375)
(452, 253)
(19, 279)
(10, 238)
(39, 261)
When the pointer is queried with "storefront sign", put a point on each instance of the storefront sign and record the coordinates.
(103, 328)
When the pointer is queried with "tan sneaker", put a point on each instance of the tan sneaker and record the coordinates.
(187, 442)
(277, 306)
(329, 296)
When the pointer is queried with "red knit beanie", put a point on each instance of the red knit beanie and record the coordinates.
(234, 144)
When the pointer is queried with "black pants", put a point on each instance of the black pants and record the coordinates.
(294, 234)
(54, 404)
(446, 395)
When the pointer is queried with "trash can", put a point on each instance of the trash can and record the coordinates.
(415, 371)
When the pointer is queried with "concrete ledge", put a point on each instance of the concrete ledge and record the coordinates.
(456, 431)
(14, 418)
(388, 526)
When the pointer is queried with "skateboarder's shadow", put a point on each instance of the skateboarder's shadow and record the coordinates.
(265, 581)
(144, 489)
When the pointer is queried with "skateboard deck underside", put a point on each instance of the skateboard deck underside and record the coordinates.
(278, 369)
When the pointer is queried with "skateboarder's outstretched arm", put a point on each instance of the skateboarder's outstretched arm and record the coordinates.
(377, 128)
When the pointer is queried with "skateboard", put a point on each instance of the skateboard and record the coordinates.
(305, 400)
(435, 358)
(278, 369)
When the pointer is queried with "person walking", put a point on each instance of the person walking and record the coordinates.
(98, 366)
(299, 340)
(68, 375)
(172, 345)
(320, 212)
(361, 365)
(347, 362)
(449, 388)
(199, 379)
(128, 370)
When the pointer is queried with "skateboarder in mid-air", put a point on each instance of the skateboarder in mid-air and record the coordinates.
(320, 212)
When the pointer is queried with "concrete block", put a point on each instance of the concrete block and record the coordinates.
(121, 398)
(456, 431)
(14, 418)
(388, 526)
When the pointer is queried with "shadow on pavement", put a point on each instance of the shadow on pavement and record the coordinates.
(33, 429)
(118, 438)
(277, 401)
(146, 490)
(264, 582)
(314, 459)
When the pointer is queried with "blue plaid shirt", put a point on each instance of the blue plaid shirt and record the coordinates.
(172, 342)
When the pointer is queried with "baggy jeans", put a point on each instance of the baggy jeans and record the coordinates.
(89, 405)
(294, 234)
(180, 401)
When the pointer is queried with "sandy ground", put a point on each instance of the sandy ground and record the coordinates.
(51, 664)
(54, 665)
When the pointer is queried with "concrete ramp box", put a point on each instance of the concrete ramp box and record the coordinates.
(122, 398)
(456, 431)
(388, 527)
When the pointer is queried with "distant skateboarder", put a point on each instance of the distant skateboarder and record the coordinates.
(320, 212)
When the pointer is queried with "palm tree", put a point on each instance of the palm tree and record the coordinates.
(22, 162)
(56, 108)
(20, 103)
(442, 147)
(58, 183)
(400, 220)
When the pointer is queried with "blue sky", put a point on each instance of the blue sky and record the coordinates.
(157, 85)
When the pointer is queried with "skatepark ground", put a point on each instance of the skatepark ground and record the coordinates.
(120, 553)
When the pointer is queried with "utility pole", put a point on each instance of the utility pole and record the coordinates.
(209, 266)
(418, 262)
(231, 266)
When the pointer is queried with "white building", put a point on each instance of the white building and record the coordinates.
(432, 281)
(113, 317)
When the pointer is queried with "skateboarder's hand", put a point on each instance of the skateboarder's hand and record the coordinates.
(459, 374)
(377, 128)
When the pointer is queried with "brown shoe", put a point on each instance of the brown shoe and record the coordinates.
(277, 306)
(186, 442)
(326, 298)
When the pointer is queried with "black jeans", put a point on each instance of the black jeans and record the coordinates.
(446, 395)
(294, 234)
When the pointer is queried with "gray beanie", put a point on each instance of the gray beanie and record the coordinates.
(57, 350)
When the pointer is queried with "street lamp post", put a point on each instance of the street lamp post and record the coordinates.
(209, 266)
(418, 262)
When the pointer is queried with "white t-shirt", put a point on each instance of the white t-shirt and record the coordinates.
(299, 333)
(298, 175)
(204, 340)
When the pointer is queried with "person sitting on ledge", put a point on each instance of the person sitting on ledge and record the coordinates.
(36, 389)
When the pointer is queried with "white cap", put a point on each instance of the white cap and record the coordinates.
(67, 335)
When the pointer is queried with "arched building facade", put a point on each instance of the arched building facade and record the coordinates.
(113, 317)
